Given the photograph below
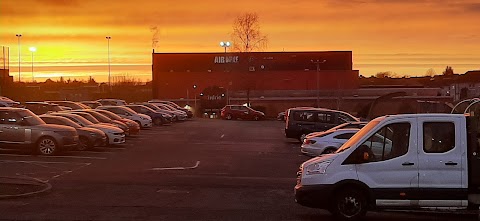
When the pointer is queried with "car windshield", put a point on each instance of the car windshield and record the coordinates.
(109, 114)
(355, 138)
(78, 118)
(87, 116)
(30, 118)
(153, 106)
(100, 117)
(69, 122)
(129, 110)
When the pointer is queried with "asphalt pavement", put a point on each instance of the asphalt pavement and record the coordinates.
(202, 169)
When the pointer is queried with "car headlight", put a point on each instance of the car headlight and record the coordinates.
(317, 168)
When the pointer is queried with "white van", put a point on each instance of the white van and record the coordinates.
(402, 161)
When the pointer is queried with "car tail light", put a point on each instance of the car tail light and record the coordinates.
(308, 141)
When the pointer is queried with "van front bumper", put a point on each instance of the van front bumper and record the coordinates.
(314, 196)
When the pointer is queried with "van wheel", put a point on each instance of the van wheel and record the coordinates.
(228, 117)
(47, 146)
(83, 144)
(302, 137)
(350, 205)
(329, 150)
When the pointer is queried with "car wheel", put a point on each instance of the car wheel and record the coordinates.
(47, 146)
(256, 118)
(138, 122)
(329, 150)
(302, 138)
(83, 143)
(228, 117)
(157, 121)
(350, 205)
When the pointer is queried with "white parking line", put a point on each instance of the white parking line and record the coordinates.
(176, 168)
(73, 157)
(222, 136)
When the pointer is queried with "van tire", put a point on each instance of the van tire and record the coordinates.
(350, 204)
(228, 117)
(46, 146)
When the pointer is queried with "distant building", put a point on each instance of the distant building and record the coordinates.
(175, 74)
(5, 78)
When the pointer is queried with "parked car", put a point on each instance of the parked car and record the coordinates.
(70, 104)
(91, 104)
(102, 119)
(7, 102)
(178, 114)
(42, 107)
(88, 138)
(354, 124)
(281, 116)
(304, 120)
(230, 112)
(21, 128)
(115, 135)
(143, 120)
(112, 102)
(174, 105)
(172, 117)
(326, 142)
(157, 117)
(133, 127)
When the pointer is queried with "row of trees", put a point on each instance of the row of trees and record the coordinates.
(430, 73)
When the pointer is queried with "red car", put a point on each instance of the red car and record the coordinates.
(230, 112)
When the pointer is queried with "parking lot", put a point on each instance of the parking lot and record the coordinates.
(200, 169)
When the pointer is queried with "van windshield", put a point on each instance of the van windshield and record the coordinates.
(359, 135)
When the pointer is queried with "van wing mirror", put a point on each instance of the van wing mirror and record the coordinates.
(366, 156)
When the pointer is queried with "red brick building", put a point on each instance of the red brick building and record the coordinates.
(173, 74)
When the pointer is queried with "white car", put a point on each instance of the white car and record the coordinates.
(327, 142)
(114, 134)
(352, 124)
(143, 120)
(179, 114)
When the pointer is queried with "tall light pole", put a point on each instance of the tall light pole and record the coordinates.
(32, 49)
(318, 62)
(19, 49)
(225, 45)
(108, 45)
(195, 100)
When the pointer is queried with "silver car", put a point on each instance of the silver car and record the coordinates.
(20, 128)
(327, 142)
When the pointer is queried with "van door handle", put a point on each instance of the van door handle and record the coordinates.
(450, 163)
(408, 164)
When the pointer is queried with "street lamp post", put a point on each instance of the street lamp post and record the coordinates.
(225, 45)
(32, 49)
(195, 100)
(318, 62)
(19, 49)
(108, 46)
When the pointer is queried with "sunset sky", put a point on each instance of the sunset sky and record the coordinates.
(407, 37)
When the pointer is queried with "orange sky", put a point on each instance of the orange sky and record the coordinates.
(403, 36)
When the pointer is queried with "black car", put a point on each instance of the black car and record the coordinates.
(157, 117)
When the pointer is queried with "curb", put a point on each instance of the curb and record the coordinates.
(36, 182)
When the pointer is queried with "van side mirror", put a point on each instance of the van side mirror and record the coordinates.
(366, 156)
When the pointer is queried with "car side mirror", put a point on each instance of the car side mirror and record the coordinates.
(366, 156)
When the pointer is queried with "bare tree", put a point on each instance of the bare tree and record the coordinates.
(430, 73)
(246, 34)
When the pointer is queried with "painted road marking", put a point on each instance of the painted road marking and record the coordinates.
(222, 136)
(73, 157)
(176, 168)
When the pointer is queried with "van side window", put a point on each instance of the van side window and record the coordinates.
(389, 142)
(325, 117)
(438, 137)
(303, 116)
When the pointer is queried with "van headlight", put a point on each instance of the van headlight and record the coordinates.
(317, 168)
